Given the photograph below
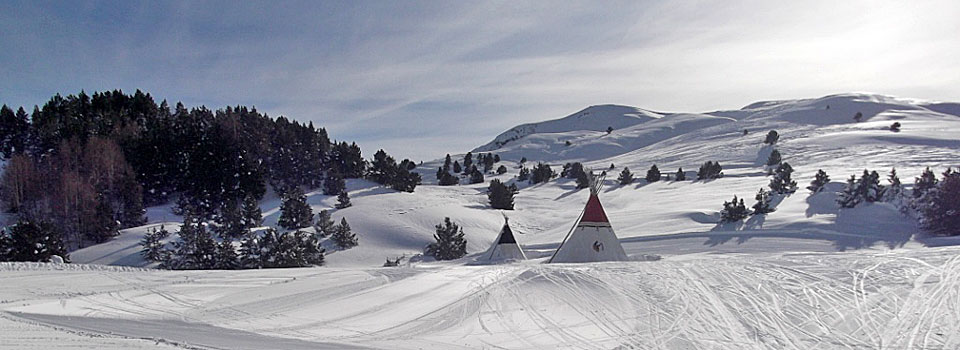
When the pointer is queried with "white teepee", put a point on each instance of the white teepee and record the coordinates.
(592, 239)
(505, 247)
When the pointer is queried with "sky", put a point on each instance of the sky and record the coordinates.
(424, 78)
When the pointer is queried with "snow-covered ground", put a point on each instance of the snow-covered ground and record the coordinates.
(807, 275)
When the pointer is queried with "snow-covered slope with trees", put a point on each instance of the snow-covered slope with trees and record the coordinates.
(810, 274)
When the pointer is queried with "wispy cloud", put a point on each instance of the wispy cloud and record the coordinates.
(425, 78)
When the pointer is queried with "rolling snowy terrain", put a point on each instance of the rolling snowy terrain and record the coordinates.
(807, 275)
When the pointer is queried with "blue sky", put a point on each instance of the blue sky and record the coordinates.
(421, 79)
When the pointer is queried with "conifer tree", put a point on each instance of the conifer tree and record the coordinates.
(774, 158)
(681, 176)
(583, 180)
(294, 211)
(230, 221)
(734, 211)
(925, 182)
(152, 243)
(32, 241)
(250, 214)
(467, 163)
(541, 173)
(496, 158)
(103, 225)
(523, 160)
(849, 197)
(653, 175)
(447, 163)
(782, 181)
(251, 252)
(763, 203)
(440, 173)
(501, 170)
(343, 201)
(343, 237)
(449, 180)
(710, 170)
(524, 174)
(858, 117)
(500, 195)
(819, 180)
(938, 207)
(196, 249)
(226, 256)
(456, 167)
(895, 189)
(450, 242)
(476, 176)
(488, 163)
(333, 183)
(626, 177)
(870, 189)
(772, 137)
(324, 226)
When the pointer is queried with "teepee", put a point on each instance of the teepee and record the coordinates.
(505, 247)
(592, 238)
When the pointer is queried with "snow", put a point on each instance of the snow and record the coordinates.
(807, 275)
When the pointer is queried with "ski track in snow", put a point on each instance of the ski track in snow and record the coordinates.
(896, 299)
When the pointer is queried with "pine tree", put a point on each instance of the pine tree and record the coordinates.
(774, 158)
(457, 169)
(734, 211)
(710, 170)
(152, 243)
(925, 182)
(343, 201)
(501, 170)
(476, 176)
(583, 180)
(449, 180)
(294, 211)
(869, 188)
(450, 242)
(467, 162)
(653, 175)
(343, 237)
(626, 177)
(939, 207)
(895, 190)
(446, 164)
(333, 183)
(541, 173)
(763, 203)
(820, 180)
(32, 241)
(324, 226)
(250, 214)
(488, 163)
(524, 174)
(681, 176)
(196, 249)
(849, 196)
(383, 169)
(251, 252)
(103, 225)
(230, 221)
(782, 181)
(500, 195)
(772, 137)
(226, 256)
(496, 158)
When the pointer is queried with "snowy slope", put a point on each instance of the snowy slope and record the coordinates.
(391, 224)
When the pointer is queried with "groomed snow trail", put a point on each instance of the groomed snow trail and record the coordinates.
(896, 299)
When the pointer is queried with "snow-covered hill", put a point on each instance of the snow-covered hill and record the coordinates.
(809, 275)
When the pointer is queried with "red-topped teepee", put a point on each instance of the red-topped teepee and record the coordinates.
(592, 239)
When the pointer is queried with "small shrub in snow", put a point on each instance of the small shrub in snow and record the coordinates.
(782, 181)
(763, 203)
(626, 177)
(895, 127)
(541, 173)
(772, 137)
(734, 211)
(710, 170)
(501, 170)
(653, 175)
(819, 181)
(681, 176)
(450, 243)
(858, 117)
(774, 159)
